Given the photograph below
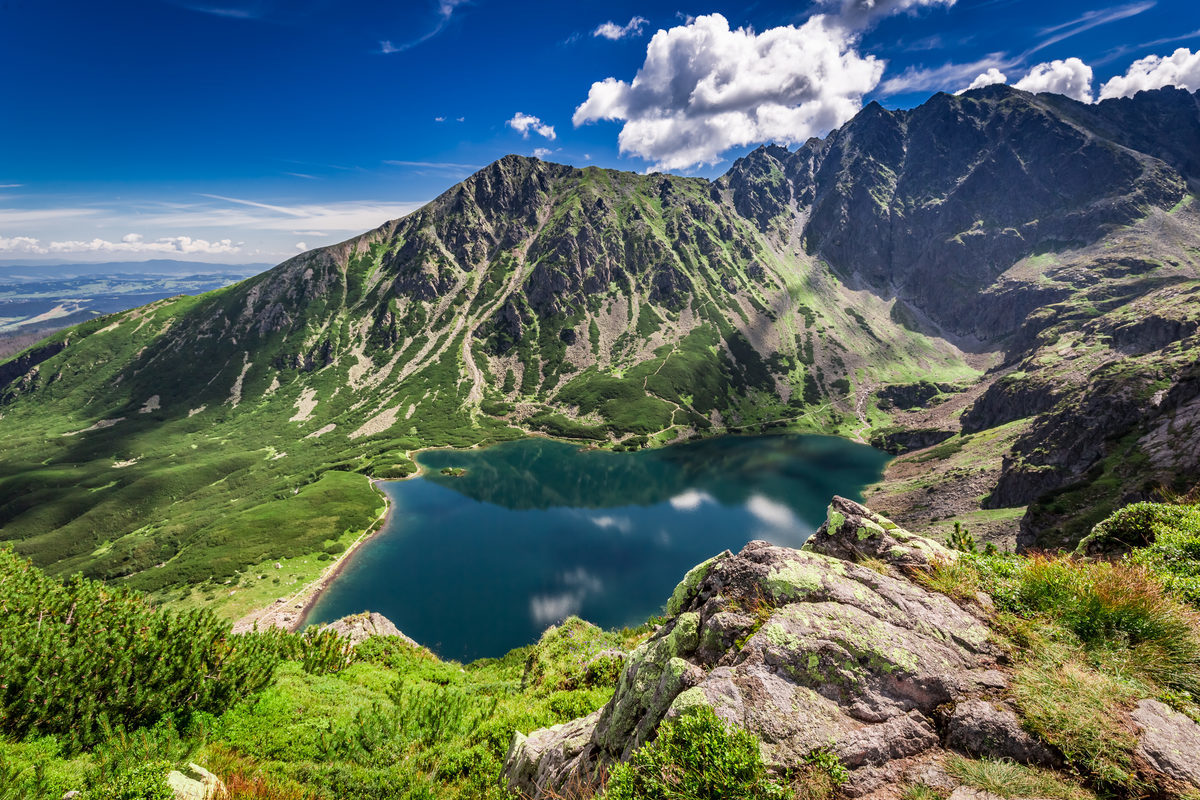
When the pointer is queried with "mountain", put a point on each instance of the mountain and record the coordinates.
(1007, 281)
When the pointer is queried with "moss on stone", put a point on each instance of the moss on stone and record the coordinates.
(687, 587)
(797, 579)
(688, 700)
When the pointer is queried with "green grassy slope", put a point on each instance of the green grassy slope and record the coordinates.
(182, 442)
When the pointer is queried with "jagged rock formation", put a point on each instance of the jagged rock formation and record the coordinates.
(831, 646)
(1050, 243)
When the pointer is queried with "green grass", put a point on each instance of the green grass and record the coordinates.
(1091, 638)
(1006, 779)
(389, 721)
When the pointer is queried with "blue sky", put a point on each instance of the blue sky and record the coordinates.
(246, 130)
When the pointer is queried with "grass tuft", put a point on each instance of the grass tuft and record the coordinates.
(1006, 779)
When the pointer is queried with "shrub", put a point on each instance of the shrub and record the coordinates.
(820, 777)
(79, 659)
(1141, 524)
(146, 781)
(698, 757)
(572, 655)
(1174, 552)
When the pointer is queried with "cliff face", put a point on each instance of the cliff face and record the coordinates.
(974, 232)
(936, 203)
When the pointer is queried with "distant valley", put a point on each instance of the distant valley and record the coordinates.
(36, 299)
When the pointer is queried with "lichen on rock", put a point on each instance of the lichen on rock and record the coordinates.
(804, 648)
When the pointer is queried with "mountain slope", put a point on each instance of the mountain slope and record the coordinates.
(185, 441)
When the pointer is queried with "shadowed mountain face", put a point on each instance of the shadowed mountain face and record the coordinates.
(936, 203)
(1051, 243)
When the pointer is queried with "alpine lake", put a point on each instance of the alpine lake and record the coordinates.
(486, 548)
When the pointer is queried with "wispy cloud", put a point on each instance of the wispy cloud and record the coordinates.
(613, 31)
(1124, 50)
(445, 12)
(1087, 21)
(917, 79)
(432, 165)
(342, 217)
(302, 175)
(131, 243)
(280, 209)
(38, 215)
(11, 185)
(220, 227)
(232, 9)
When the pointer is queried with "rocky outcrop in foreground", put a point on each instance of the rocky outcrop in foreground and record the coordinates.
(360, 627)
(834, 647)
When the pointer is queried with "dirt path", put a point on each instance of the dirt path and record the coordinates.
(860, 410)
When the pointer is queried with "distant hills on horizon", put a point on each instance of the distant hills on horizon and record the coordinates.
(42, 270)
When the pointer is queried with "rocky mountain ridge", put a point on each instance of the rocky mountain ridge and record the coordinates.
(1035, 257)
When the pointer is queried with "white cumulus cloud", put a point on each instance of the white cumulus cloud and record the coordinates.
(1181, 69)
(524, 123)
(611, 30)
(1070, 77)
(547, 609)
(771, 512)
(20, 244)
(130, 243)
(988, 78)
(704, 89)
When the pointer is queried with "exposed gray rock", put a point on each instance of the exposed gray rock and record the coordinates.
(194, 782)
(853, 532)
(804, 650)
(548, 757)
(1169, 743)
(980, 728)
(899, 737)
(360, 627)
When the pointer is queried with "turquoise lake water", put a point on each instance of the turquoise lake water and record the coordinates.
(476, 565)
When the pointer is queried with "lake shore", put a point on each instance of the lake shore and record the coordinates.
(289, 613)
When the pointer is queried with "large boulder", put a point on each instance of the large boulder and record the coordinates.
(1168, 746)
(360, 627)
(194, 782)
(981, 728)
(805, 649)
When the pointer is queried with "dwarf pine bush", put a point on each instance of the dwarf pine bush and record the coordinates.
(79, 659)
